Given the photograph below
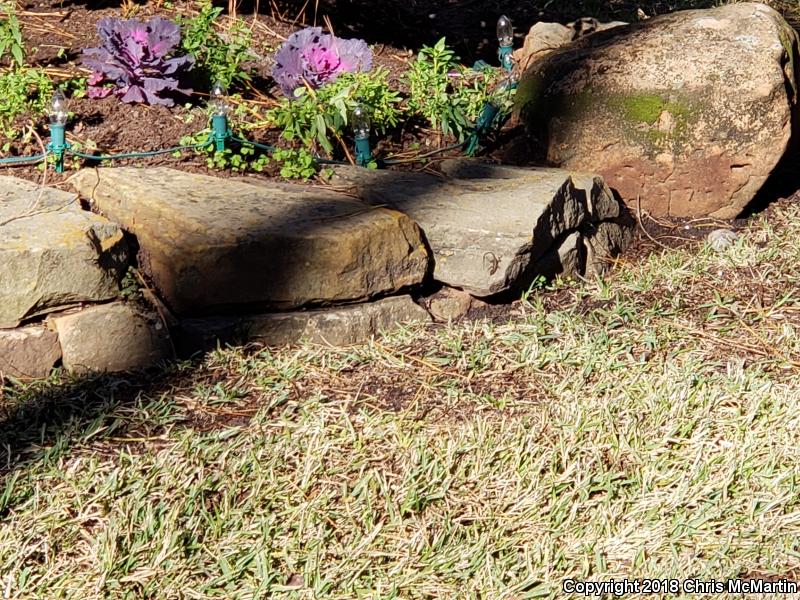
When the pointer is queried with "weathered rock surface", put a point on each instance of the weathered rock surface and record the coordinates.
(28, 352)
(690, 112)
(111, 338)
(52, 253)
(566, 259)
(339, 326)
(545, 38)
(586, 252)
(605, 241)
(210, 242)
(449, 304)
(488, 224)
(590, 190)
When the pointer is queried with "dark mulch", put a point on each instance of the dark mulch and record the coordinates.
(60, 29)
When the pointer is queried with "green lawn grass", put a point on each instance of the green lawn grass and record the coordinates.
(642, 426)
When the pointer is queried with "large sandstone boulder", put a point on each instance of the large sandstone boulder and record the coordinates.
(687, 113)
(545, 38)
(211, 243)
(488, 225)
(53, 253)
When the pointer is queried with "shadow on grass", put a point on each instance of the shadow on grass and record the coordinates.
(43, 420)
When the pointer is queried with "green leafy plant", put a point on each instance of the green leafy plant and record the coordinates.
(23, 91)
(476, 88)
(315, 117)
(295, 164)
(78, 87)
(445, 93)
(129, 287)
(217, 58)
(11, 35)
(238, 159)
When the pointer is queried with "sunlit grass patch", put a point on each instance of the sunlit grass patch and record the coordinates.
(644, 425)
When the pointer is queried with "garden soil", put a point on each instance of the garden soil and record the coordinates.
(59, 30)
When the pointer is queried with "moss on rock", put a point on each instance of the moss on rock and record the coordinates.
(642, 108)
(639, 111)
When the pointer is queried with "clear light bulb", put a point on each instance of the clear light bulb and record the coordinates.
(505, 31)
(58, 109)
(361, 123)
(218, 99)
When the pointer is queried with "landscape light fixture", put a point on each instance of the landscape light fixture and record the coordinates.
(486, 120)
(505, 40)
(499, 97)
(218, 102)
(361, 131)
(58, 120)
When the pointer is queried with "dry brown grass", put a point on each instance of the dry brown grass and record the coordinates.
(642, 426)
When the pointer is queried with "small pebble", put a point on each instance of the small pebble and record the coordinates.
(722, 239)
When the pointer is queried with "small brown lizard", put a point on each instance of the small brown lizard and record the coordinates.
(493, 262)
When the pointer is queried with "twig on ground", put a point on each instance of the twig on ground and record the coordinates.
(641, 225)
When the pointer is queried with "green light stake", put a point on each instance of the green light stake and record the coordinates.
(487, 116)
(489, 113)
(361, 130)
(58, 121)
(505, 39)
(218, 101)
(219, 126)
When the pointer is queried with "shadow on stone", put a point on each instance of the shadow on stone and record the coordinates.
(247, 291)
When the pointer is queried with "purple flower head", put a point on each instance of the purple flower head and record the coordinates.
(132, 61)
(314, 57)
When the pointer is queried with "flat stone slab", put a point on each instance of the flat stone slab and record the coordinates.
(340, 326)
(487, 225)
(211, 243)
(28, 352)
(111, 338)
(53, 253)
(590, 189)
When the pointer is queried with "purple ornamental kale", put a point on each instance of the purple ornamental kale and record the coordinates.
(317, 58)
(133, 59)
